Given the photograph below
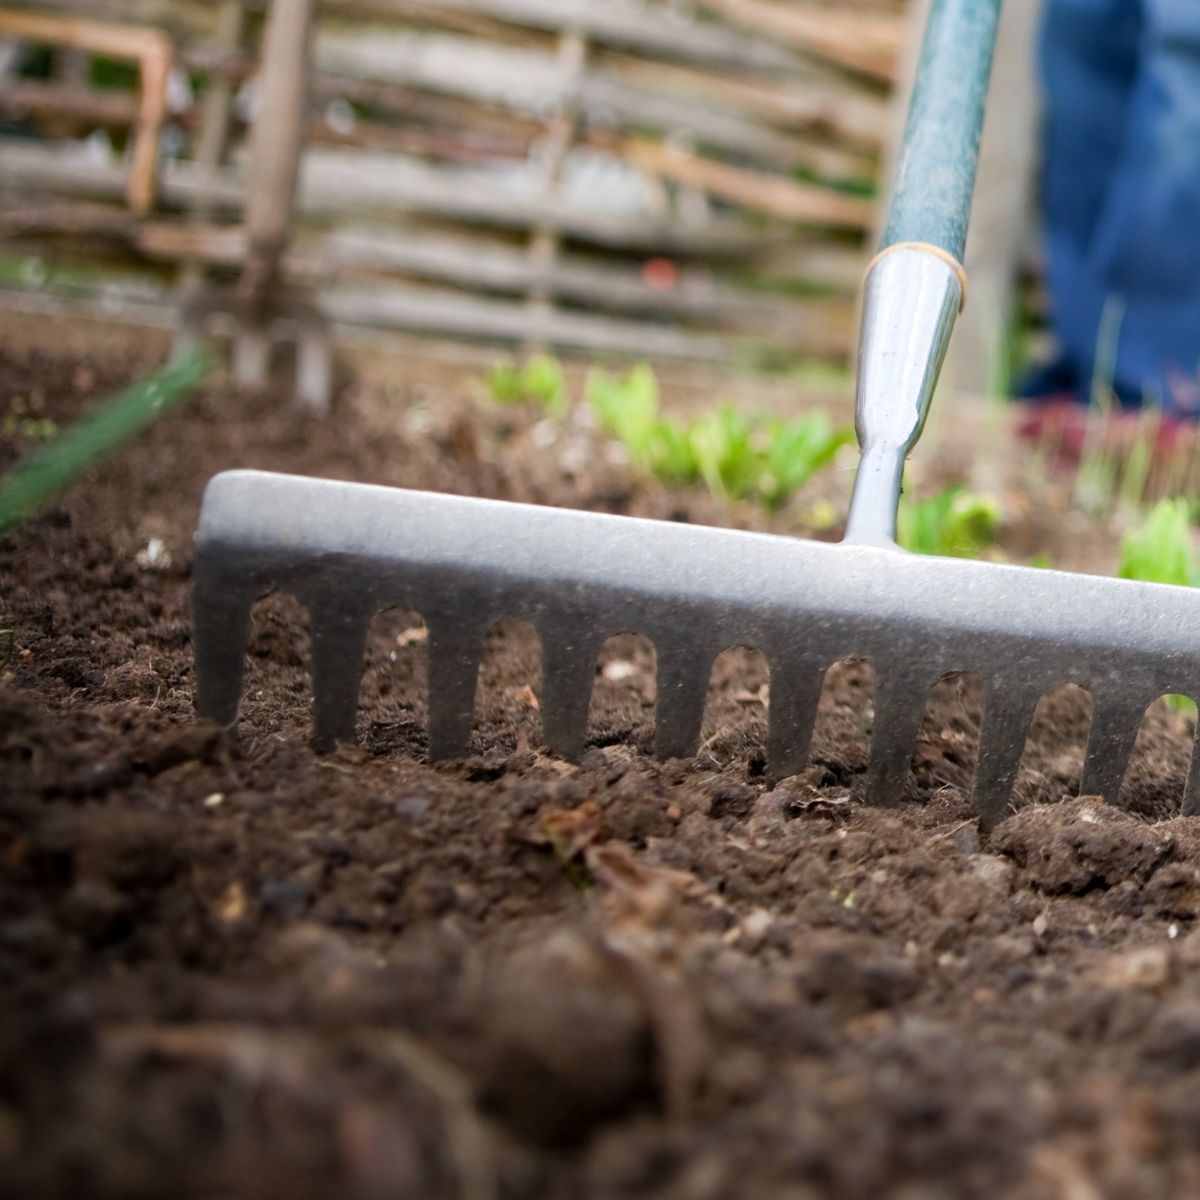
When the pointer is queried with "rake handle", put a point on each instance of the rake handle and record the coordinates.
(935, 172)
(916, 285)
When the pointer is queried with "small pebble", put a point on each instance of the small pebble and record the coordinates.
(287, 898)
(414, 807)
(154, 556)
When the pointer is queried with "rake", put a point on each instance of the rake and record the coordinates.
(348, 550)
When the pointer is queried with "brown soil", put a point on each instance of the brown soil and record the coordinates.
(229, 967)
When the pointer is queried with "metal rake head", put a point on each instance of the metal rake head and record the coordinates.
(348, 550)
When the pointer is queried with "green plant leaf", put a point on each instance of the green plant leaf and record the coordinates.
(55, 464)
(955, 523)
(540, 380)
(504, 382)
(672, 456)
(543, 380)
(724, 453)
(627, 406)
(796, 450)
(1160, 549)
(738, 456)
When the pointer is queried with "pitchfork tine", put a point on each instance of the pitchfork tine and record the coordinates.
(1007, 715)
(314, 366)
(1115, 725)
(252, 357)
(454, 655)
(683, 674)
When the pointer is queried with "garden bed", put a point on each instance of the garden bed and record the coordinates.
(231, 967)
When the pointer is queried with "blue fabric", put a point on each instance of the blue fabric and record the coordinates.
(1121, 193)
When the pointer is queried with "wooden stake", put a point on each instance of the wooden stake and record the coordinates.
(149, 48)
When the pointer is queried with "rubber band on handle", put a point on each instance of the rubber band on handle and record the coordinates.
(937, 252)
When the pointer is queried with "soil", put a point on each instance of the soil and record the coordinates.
(231, 967)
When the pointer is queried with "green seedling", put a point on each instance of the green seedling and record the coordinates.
(672, 454)
(1160, 551)
(725, 454)
(539, 379)
(738, 456)
(954, 524)
(31, 429)
(627, 407)
(796, 450)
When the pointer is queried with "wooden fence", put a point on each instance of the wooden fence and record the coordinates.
(687, 179)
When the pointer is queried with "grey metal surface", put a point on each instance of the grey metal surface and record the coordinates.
(910, 301)
(348, 550)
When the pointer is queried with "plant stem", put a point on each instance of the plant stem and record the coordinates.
(53, 466)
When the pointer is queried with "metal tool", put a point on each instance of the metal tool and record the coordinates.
(348, 550)
(261, 309)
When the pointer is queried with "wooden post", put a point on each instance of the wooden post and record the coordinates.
(546, 239)
(149, 48)
(216, 120)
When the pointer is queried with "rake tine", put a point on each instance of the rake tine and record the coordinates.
(338, 643)
(568, 675)
(1115, 725)
(220, 635)
(1191, 790)
(454, 656)
(683, 676)
(1007, 715)
(899, 706)
(795, 698)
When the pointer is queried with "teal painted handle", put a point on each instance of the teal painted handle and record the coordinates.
(931, 195)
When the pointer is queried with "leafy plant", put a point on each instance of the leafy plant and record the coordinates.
(796, 450)
(738, 456)
(627, 407)
(725, 453)
(955, 523)
(539, 378)
(1160, 551)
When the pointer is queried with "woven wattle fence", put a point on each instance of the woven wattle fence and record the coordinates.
(686, 180)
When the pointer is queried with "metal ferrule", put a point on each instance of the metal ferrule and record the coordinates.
(910, 300)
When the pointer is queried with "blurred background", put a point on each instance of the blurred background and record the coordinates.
(688, 181)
